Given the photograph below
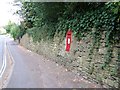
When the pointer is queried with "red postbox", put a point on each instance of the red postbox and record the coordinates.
(68, 40)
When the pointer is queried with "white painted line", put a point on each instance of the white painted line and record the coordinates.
(3, 64)
(4, 61)
(10, 54)
(13, 63)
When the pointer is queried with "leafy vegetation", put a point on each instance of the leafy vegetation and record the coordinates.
(8, 26)
(15, 30)
(43, 20)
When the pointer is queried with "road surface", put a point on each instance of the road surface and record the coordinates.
(2, 38)
(35, 71)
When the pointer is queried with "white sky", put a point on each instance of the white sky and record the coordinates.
(6, 12)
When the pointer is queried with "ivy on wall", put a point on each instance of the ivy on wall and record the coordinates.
(43, 20)
(95, 23)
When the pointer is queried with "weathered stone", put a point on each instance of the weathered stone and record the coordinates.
(80, 61)
(102, 50)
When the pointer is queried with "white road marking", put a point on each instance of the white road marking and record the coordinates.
(9, 52)
(13, 63)
(4, 61)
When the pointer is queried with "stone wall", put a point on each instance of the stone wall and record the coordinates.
(78, 60)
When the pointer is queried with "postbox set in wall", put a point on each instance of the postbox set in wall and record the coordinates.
(68, 40)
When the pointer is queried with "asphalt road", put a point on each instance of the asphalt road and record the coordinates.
(35, 71)
(2, 39)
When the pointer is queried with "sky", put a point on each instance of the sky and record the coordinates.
(6, 12)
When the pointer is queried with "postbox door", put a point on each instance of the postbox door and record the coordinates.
(68, 40)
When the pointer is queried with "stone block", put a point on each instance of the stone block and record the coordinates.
(102, 51)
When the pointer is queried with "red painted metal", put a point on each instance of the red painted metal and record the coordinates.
(68, 40)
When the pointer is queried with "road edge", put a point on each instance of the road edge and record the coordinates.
(9, 73)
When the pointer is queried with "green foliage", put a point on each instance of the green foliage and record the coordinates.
(22, 29)
(102, 20)
(13, 29)
(40, 14)
(8, 27)
(42, 20)
(13, 32)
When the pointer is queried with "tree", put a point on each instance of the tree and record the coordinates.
(14, 31)
(8, 27)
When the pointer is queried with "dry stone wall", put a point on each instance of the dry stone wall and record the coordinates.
(78, 59)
